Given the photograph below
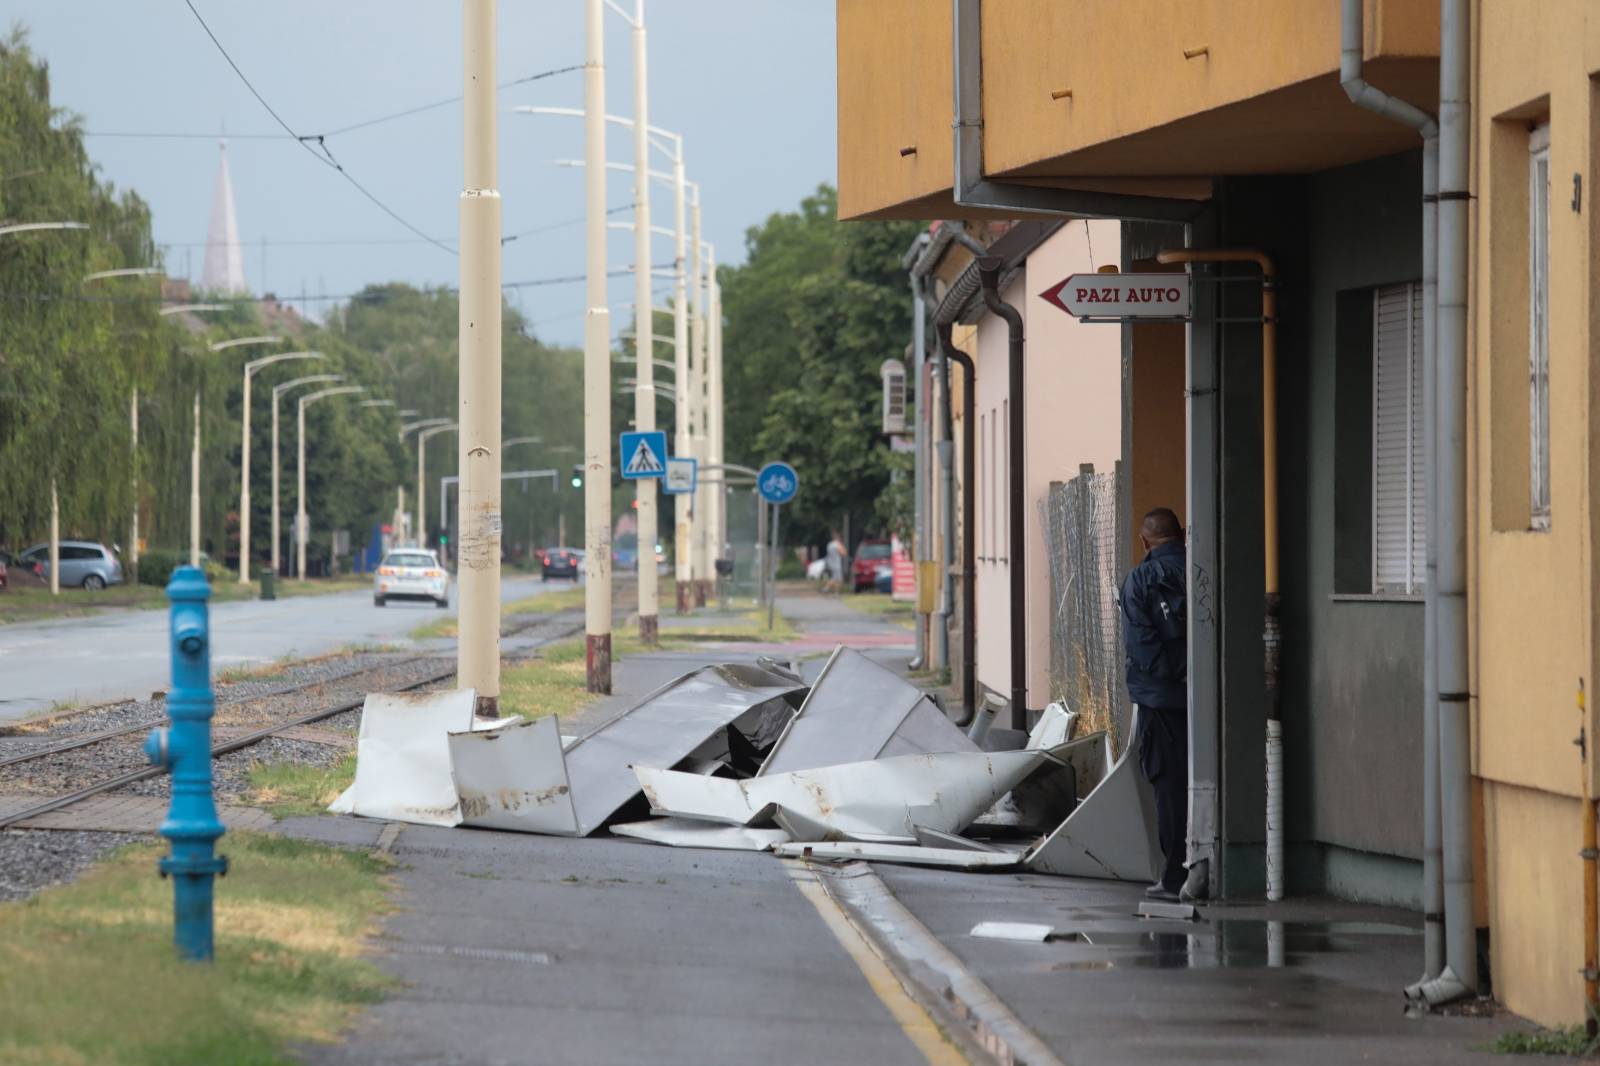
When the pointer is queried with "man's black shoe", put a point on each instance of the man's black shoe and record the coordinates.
(1159, 891)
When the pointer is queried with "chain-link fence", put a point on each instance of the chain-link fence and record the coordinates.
(1085, 530)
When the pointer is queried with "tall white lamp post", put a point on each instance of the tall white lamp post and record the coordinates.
(422, 459)
(277, 393)
(250, 369)
(302, 521)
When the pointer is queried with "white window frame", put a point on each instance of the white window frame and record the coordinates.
(1539, 328)
(1412, 576)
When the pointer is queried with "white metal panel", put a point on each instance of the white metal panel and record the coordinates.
(403, 757)
(513, 778)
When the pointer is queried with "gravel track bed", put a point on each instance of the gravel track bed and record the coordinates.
(67, 770)
(19, 740)
(31, 859)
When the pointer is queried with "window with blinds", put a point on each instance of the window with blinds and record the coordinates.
(1539, 328)
(1398, 526)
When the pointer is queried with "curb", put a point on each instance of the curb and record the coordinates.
(926, 966)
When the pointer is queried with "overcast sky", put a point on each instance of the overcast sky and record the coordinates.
(749, 83)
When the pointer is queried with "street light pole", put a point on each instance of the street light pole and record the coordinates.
(250, 369)
(478, 643)
(696, 381)
(302, 519)
(133, 422)
(644, 397)
(278, 391)
(596, 364)
(194, 459)
(416, 519)
(422, 456)
(682, 444)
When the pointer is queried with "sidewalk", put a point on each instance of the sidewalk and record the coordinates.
(514, 948)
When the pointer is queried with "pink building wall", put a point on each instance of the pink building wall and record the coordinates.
(1073, 386)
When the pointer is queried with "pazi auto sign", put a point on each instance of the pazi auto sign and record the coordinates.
(1122, 296)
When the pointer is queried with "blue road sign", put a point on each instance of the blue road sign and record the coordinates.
(681, 475)
(644, 455)
(778, 483)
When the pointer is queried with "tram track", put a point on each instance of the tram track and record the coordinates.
(567, 627)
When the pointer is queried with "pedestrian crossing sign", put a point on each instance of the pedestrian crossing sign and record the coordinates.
(644, 455)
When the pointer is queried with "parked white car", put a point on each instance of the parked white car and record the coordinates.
(411, 574)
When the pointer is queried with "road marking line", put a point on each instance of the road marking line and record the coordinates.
(914, 1021)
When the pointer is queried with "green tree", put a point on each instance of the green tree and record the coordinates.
(808, 320)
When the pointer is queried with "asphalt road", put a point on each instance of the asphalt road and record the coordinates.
(124, 653)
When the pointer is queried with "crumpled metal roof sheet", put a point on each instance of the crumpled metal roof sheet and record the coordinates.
(856, 711)
(660, 731)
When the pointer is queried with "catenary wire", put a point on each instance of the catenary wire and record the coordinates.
(306, 142)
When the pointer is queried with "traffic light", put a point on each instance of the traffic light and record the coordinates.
(577, 476)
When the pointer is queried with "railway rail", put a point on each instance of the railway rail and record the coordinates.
(236, 743)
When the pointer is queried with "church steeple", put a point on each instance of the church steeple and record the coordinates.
(224, 264)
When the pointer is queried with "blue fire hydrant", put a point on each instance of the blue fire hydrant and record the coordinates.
(185, 748)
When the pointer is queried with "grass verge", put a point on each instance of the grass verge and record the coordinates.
(88, 972)
(901, 612)
(544, 603)
(34, 603)
(290, 789)
(1571, 1042)
(555, 682)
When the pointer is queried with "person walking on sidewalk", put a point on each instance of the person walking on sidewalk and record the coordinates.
(836, 560)
(1154, 610)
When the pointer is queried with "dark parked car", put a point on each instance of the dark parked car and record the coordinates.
(84, 564)
(559, 562)
(870, 555)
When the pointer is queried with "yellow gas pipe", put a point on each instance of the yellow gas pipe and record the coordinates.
(1591, 907)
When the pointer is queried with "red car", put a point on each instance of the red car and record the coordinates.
(870, 555)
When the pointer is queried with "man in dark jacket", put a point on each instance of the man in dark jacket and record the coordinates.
(1154, 609)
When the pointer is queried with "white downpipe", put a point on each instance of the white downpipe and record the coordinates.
(1460, 975)
(1362, 94)
(1274, 809)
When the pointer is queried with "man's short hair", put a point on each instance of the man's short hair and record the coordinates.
(1161, 523)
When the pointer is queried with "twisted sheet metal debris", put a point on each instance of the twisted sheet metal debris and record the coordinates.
(1112, 832)
(858, 711)
(880, 801)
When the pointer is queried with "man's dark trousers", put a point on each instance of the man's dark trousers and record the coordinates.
(1164, 761)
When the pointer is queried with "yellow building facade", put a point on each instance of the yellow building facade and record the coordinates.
(1235, 107)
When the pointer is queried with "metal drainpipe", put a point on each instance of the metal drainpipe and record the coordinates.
(989, 267)
(1351, 43)
(1460, 974)
(1271, 636)
(919, 475)
(969, 508)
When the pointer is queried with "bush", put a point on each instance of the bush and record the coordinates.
(790, 568)
(157, 564)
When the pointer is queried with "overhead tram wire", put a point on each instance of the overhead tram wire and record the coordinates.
(365, 297)
(365, 241)
(305, 142)
(365, 123)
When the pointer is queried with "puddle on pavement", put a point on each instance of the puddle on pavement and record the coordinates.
(1228, 943)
